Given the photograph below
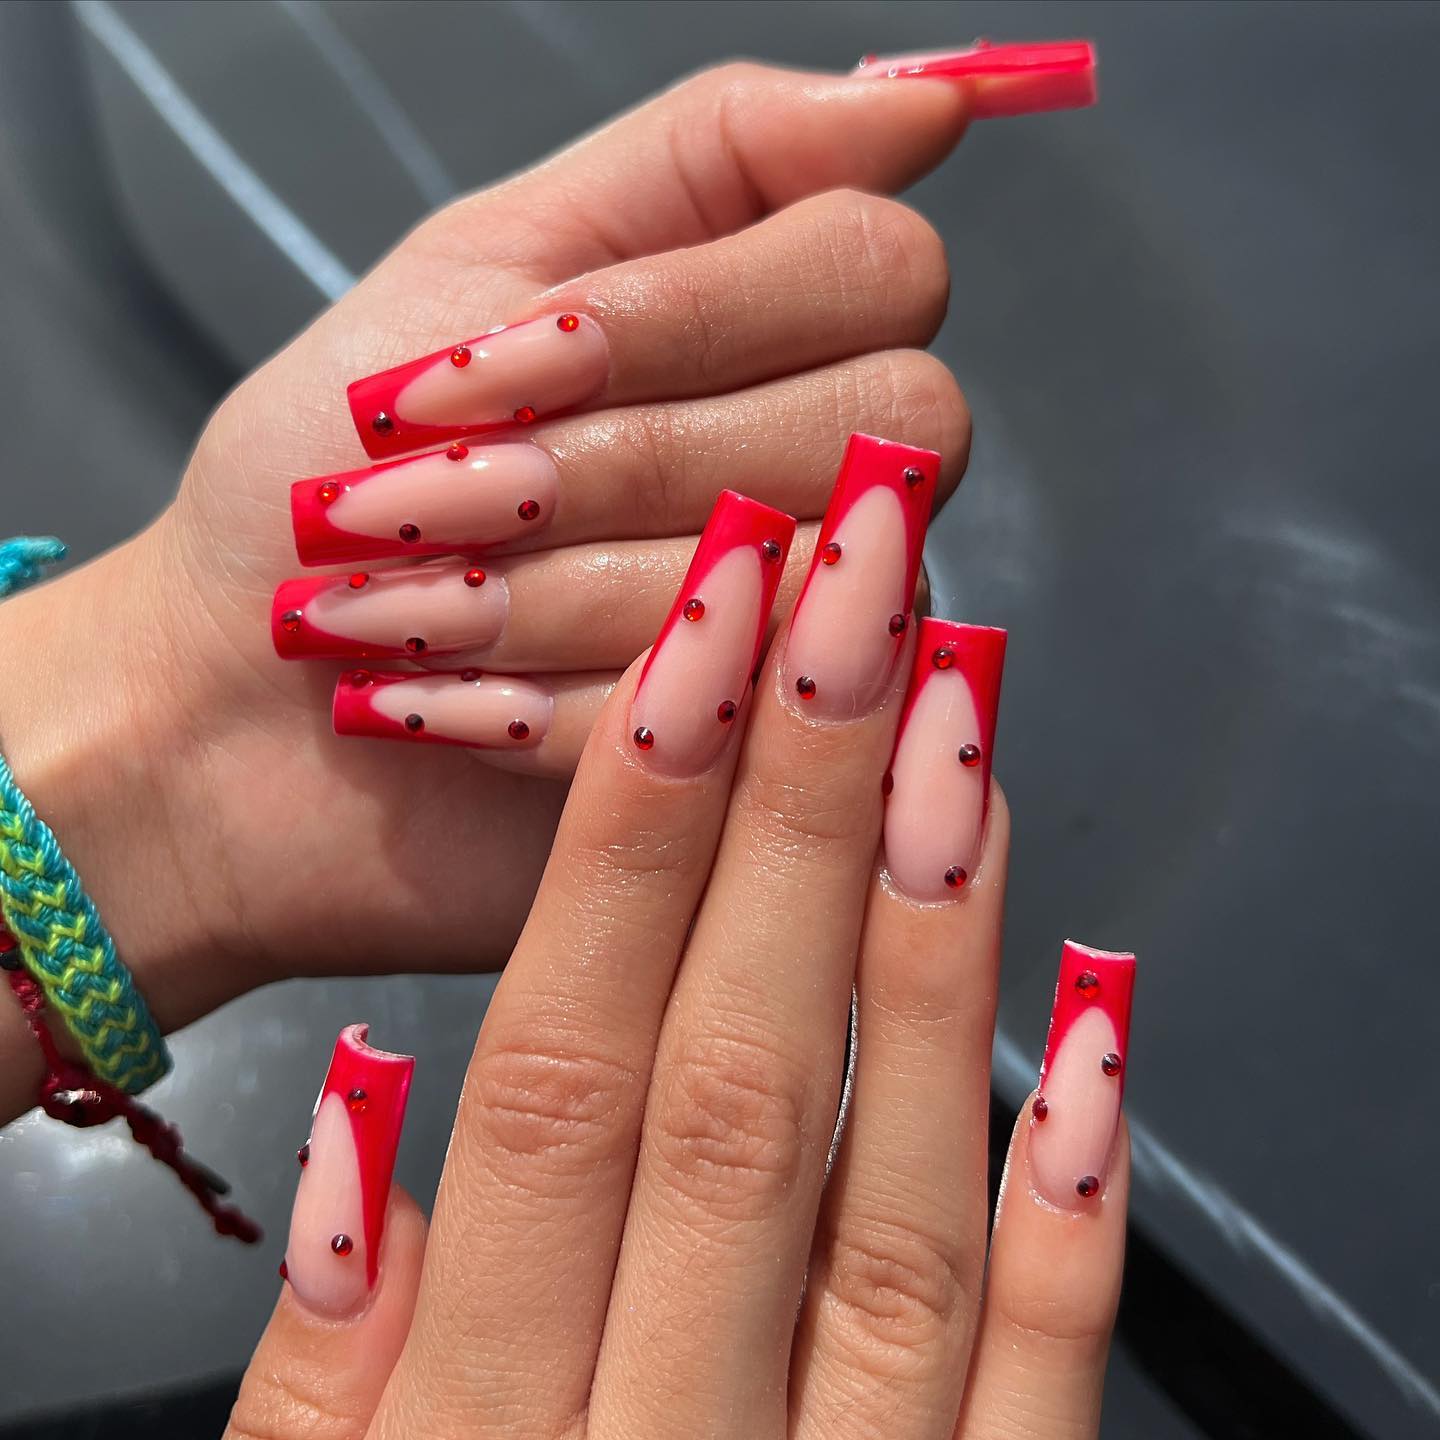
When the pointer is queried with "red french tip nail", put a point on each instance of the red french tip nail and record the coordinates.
(294, 638)
(470, 708)
(1012, 79)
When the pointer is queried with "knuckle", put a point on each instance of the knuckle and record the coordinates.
(276, 1403)
(804, 808)
(728, 1129)
(1050, 1317)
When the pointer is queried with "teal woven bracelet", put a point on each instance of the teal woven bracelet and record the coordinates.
(57, 930)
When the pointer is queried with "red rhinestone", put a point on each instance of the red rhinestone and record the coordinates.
(1086, 1186)
(1110, 1063)
(568, 323)
(770, 549)
(358, 579)
(290, 621)
(470, 676)
(360, 678)
(694, 609)
(409, 533)
(303, 1154)
(341, 1244)
(475, 578)
(1087, 982)
(725, 711)
(943, 658)
(898, 624)
(528, 509)
(526, 414)
(416, 646)
(969, 756)
(644, 738)
(382, 424)
(830, 554)
(460, 356)
(357, 1097)
(414, 724)
(518, 729)
(457, 451)
(284, 1271)
(913, 476)
(887, 783)
(955, 877)
(805, 688)
(328, 491)
(1039, 1109)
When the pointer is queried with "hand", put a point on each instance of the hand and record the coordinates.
(632, 1236)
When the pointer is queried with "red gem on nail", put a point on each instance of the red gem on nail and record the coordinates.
(1087, 982)
(887, 783)
(770, 549)
(913, 476)
(528, 509)
(460, 356)
(357, 1097)
(969, 756)
(382, 424)
(725, 711)
(955, 877)
(328, 491)
(284, 1271)
(898, 624)
(303, 1154)
(1039, 1109)
(1086, 1186)
(518, 729)
(457, 451)
(526, 414)
(805, 688)
(358, 579)
(470, 676)
(568, 323)
(360, 678)
(694, 609)
(644, 739)
(942, 659)
(830, 554)
(290, 621)
(1110, 1063)
(416, 646)
(475, 577)
(414, 724)
(341, 1244)
(409, 533)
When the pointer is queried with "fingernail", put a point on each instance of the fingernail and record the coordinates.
(466, 707)
(698, 673)
(938, 785)
(413, 611)
(852, 614)
(346, 1166)
(1003, 79)
(512, 376)
(463, 498)
(1074, 1117)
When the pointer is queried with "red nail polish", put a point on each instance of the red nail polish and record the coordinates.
(469, 708)
(1016, 79)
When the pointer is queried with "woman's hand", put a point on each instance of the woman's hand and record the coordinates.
(633, 1237)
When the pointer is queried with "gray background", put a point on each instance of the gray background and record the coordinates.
(1199, 327)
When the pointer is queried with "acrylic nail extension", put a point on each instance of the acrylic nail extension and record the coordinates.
(938, 784)
(512, 376)
(333, 1259)
(466, 707)
(386, 614)
(697, 675)
(850, 620)
(1074, 1117)
(1003, 79)
(462, 499)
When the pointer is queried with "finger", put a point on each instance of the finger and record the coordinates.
(353, 1263)
(635, 472)
(894, 1290)
(832, 276)
(531, 1207)
(746, 1076)
(1059, 1245)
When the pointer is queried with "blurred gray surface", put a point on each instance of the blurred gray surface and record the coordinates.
(1199, 328)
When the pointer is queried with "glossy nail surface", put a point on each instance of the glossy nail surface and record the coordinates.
(850, 620)
(699, 670)
(938, 786)
(1074, 1118)
(460, 499)
(412, 611)
(1003, 80)
(468, 707)
(510, 377)
(338, 1222)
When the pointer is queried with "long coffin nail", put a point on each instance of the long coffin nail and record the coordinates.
(461, 499)
(850, 620)
(938, 784)
(1077, 1110)
(466, 707)
(512, 376)
(413, 611)
(698, 673)
(1003, 79)
(333, 1258)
